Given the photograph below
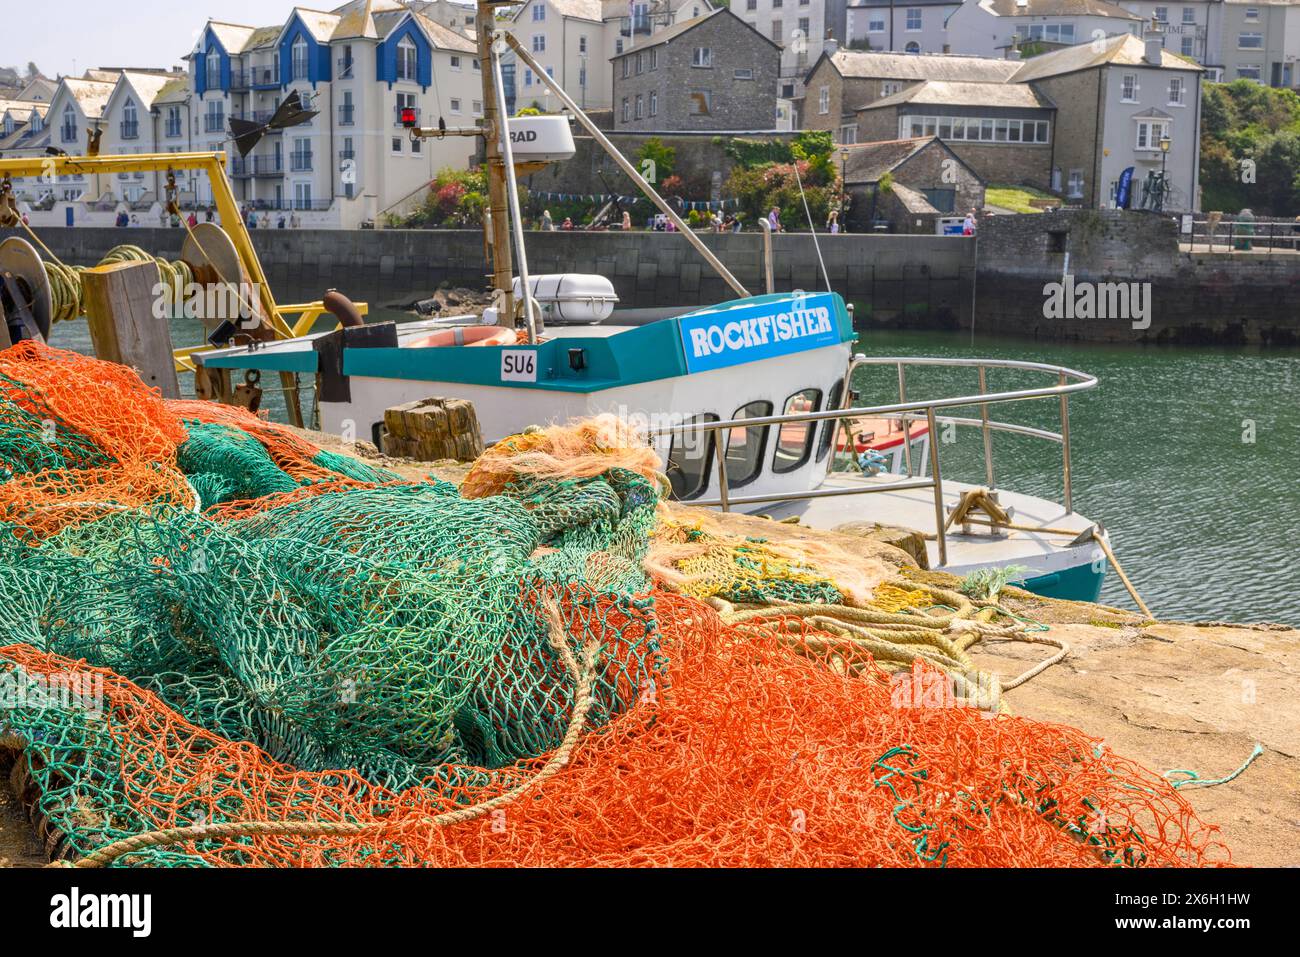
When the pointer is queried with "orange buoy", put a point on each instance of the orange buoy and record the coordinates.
(468, 336)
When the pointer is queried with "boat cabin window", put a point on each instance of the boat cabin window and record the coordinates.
(691, 458)
(745, 445)
(794, 442)
(830, 425)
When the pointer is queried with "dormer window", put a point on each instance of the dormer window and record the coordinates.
(407, 58)
(213, 68)
(299, 52)
(69, 132)
(130, 120)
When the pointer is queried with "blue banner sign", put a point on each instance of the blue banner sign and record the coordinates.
(1124, 195)
(752, 330)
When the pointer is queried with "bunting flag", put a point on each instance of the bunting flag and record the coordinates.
(626, 200)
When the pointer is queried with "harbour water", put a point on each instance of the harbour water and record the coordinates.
(1189, 456)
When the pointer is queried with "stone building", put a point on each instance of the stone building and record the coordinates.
(909, 183)
(843, 81)
(1002, 130)
(712, 72)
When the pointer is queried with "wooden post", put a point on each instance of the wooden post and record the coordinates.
(119, 300)
(432, 430)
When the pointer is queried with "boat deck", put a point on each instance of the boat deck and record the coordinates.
(914, 509)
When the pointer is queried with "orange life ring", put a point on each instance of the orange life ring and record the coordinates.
(468, 336)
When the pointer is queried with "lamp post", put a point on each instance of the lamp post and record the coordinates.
(1165, 143)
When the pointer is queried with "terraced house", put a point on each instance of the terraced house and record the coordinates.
(359, 66)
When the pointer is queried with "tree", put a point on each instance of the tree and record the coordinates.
(656, 161)
(32, 70)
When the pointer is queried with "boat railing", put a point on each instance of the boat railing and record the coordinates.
(1068, 382)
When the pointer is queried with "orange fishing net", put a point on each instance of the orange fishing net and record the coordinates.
(751, 754)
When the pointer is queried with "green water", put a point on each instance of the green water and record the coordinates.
(1205, 524)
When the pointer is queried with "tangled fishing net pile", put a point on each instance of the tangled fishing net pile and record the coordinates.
(220, 646)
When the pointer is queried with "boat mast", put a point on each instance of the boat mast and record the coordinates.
(498, 212)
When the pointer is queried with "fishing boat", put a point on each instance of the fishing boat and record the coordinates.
(751, 403)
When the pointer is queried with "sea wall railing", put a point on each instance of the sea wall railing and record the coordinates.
(1068, 382)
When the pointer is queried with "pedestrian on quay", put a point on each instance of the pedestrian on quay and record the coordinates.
(209, 214)
(774, 219)
(294, 221)
(833, 223)
(547, 223)
(968, 225)
(280, 222)
(568, 224)
(627, 220)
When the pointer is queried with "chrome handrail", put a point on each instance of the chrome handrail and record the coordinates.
(1069, 381)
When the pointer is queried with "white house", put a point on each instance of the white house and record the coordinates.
(76, 108)
(1192, 28)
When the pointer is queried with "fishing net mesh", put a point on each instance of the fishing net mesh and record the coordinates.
(206, 620)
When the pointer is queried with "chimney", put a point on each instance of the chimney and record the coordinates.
(830, 45)
(1155, 42)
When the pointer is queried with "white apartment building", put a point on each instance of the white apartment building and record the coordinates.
(76, 108)
(1261, 42)
(359, 66)
(900, 26)
(574, 40)
(132, 122)
(799, 26)
(992, 27)
(1192, 28)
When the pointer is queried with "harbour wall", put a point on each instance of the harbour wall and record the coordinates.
(894, 281)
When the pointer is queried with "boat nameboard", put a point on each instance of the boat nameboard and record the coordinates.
(761, 328)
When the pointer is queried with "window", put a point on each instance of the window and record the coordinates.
(803, 27)
(703, 57)
(627, 67)
(640, 64)
(876, 23)
(302, 195)
(407, 59)
(405, 101)
(528, 77)
(300, 158)
(945, 128)
(1176, 91)
(1076, 184)
(1052, 32)
(1248, 73)
(824, 100)
(130, 120)
(913, 19)
(215, 119)
(477, 106)
(654, 58)
(417, 145)
(618, 46)
(1162, 14)
(890, 87)
(214, 70)
(639, 111)
(690, 458)
(1252, 13)
(582, 44)
(539, 12)
(474, 63)
(745, 445)
(986, 130)
(455, 104)
(912, 47)
(299, 52)
(751, 4)
(455, 63)
(173, 125)
(1128, 88)
(1150, 132)
(848, 134)
(1250, 41)
(777, 4)
(1188, 46)
(745, 74)
(582, 76)
(794, 442)
(627, 110)
(830, 427)
(778, 31)
(701, 101)
(1189, 15)
(654, 103)
(539, 42)
(397, 144)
